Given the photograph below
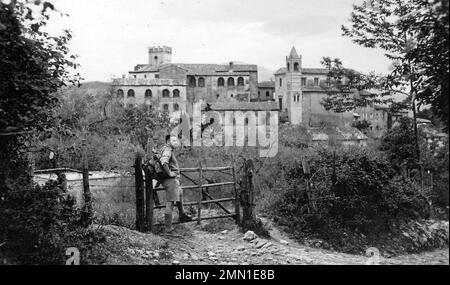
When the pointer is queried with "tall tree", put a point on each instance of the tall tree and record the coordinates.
(414, 35)
(33, 65)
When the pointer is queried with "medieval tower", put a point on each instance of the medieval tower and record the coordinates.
(159, 55)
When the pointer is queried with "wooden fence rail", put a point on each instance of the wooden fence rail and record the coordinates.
(146, 204)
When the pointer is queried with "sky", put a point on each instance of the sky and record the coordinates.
(112, 36)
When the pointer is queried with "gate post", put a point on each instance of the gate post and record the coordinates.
(248, 195)
(149, 201)
(199, 205)
(87, 207)
(237, 208)
(140, 211)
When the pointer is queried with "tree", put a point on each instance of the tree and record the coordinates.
(414, 35)
(347, 88)
(33, 65)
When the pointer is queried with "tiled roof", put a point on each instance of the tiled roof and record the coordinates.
(314, 71)
(243, 106)
(200, 69)
(281, 70)
(322, 71)
(267, 84)
(293, 53)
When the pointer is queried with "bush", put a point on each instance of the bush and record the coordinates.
(352, 189)
(36, 222)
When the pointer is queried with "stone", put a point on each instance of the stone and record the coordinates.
(284, 242)
(224, 232)
(261, 244)
(249, 236)
(240, 248)
(210, 253)
(175, 262)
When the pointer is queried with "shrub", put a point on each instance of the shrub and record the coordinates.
(352, 188)
(36, 222)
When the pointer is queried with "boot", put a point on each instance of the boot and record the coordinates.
(183, 217)
(168, 223)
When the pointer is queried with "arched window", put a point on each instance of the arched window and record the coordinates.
(192, 82)
(230, 81)
(220, 81)
(130, 93)
(176, 107)
(296, 65)
(201, 82)
(120, 93)
(166, 107)
(148, 94)
(240, 81)
(176, 93)
(166, 93)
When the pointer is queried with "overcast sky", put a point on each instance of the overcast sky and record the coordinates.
(111, 36)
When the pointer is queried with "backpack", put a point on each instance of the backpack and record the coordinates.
(155, 168)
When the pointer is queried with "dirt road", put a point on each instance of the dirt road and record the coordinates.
(191, 244)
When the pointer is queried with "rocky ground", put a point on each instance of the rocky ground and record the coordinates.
(222, 243)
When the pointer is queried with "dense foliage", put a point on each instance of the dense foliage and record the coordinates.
(414, 34)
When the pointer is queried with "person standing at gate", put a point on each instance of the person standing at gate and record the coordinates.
(174, 193)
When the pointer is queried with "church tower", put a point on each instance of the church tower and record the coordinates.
(293, 98)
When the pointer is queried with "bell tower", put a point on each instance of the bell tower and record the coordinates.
(294, 98)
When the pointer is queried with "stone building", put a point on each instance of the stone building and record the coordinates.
(266, 91)
(176, 86)
(299, 91)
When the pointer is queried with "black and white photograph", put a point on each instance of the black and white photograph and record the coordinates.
(224, 139)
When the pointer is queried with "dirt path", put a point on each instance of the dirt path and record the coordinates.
(191, 244)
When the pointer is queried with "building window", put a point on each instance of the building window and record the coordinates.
(296, 67)
(201, 82)
(267, 94)
(281, 82)
(130, 93)
(145, 75)
(303, 81)
(148, 94)
(176, 107)
(120, 93)
(230, 81)
(166, 93)
(134, 76)
(156, 76)
(192, 82)
(316, 81)
(240, 81)
(166, 107)
(280, 103)
(232, 95)
(288, 67)
(220, 81)
(176, 93)
(217, 96)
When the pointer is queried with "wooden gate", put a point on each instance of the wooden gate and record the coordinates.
(146, 195)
